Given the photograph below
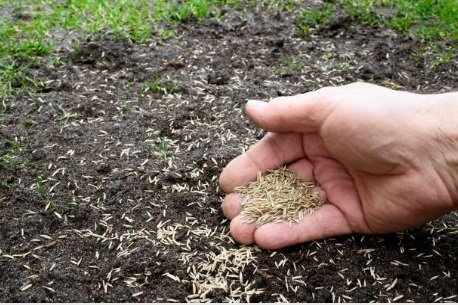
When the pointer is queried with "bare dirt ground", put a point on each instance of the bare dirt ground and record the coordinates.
(116, 197)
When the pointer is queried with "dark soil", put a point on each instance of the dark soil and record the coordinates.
(128, 143)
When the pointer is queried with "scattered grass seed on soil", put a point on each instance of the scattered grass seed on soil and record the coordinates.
(278, 196)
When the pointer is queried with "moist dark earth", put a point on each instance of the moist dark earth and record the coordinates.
(113, 194)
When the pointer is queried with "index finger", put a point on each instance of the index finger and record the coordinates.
(270, 152)
(326, 221)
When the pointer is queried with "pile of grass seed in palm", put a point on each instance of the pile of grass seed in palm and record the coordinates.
(278, 196)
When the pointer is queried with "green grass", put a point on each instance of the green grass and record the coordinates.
(433, 21)
(24, 38)
(162, 149)
(314, 18)
(20, 47)
(159, 86)
(289, 66)
(26, 26)
(429, 20)
(9, 155)
(135, 20)
(40, 188)
(4, 185)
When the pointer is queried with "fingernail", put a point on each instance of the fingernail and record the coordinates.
(255, 103)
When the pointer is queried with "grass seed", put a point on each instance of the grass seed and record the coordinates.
(278, 196)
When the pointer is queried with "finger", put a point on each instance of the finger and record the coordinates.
(270, 152)
(320, 192)
(232, 205)
(242, 231)
(300, 113)
(303, 169)
(327, 221)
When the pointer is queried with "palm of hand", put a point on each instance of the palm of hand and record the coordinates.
(377, 177)
(385, 178)
(372, 194)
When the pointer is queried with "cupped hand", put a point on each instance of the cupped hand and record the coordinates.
(375, 153)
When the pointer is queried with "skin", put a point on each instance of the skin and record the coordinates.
(385, 161)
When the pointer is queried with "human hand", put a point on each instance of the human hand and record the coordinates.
(384, 160)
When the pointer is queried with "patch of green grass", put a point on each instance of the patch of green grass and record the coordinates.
(164, 147)
(346, 65)
(134, 20)
(40, 188)
(363, 11)
(4, 185)
(25, 28)
(57, 62)
(292, 65)
(440, 56)
(161, 150)
(429, 20)
(435, 22)
(159, 86)
(195, 8)
(19, 49)
(126, 106)
(14, 77)
(289, 66)
(314, 18)
(9, 155)
(26, 25)
(275, 6)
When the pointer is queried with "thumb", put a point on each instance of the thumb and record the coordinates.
(300, 113)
